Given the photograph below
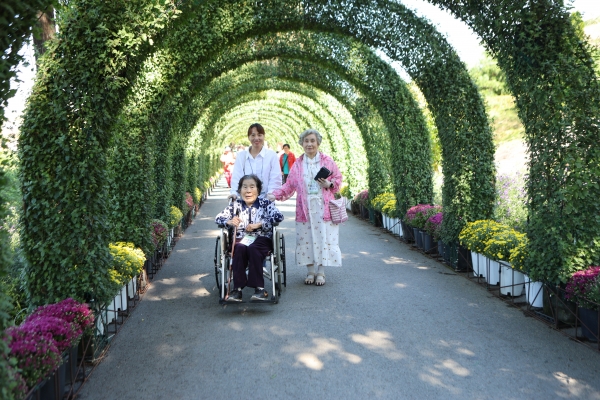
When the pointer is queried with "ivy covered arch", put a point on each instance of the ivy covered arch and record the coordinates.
(550, 71)
(83, 85)
(200, 37)
(360, 67)
(462, 124)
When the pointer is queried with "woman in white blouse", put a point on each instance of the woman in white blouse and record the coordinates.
(257, 160)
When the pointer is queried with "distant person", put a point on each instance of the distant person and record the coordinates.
(257, 160)
(227, 160)
(286, 161)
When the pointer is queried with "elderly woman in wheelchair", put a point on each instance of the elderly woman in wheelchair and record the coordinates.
(253, 219)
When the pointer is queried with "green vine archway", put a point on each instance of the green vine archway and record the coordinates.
(70, 126)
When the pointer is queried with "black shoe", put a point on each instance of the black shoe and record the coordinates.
(260, 295)
(235, 296)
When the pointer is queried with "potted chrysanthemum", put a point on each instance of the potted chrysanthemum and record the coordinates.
(433, 227)
(36, 352)
(78, 318)
(583, 288)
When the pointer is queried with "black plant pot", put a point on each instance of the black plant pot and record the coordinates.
(418, 238)
(464, 262)
(377, 219)
(589, 323)
(559, 308)
(364, 212)
(407, 232)
(450, 255)
(428, 244)
(72, 364)
(371, 216)
(440, 245)
(54, 388)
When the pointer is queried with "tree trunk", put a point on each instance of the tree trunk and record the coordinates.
(43, 31)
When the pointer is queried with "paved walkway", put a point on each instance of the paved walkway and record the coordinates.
(389, 324)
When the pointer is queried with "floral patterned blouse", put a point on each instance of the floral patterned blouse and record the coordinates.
(262, 210)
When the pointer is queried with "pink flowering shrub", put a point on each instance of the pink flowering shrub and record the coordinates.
(35, 351)
(417, 215)
(159, 233)
(433, 225)
(77, 314)
(362, 198)
(63, 333)
(583, 287)
(189, 201)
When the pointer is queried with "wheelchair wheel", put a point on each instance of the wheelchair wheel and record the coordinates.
(282, 259)
(218, 263)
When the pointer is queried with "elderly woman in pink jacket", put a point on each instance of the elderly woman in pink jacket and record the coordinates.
(317, 236)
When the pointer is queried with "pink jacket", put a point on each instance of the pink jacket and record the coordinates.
(295, 183)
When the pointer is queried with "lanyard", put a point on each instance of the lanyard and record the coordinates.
(262, 165)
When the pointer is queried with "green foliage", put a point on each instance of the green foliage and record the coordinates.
(489, 77)
(511, 201)
(18, 18)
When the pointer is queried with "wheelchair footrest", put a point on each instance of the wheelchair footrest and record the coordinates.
(272, 300)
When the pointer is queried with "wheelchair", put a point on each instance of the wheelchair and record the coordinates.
(274, 268)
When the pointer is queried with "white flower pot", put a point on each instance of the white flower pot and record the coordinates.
(124, 300)
(132, 287)
(512, 282)
(493, 273)
(384, 219)
(111, 309)
(479, 264)
(534, 293)
(398, 227)
(100, 326)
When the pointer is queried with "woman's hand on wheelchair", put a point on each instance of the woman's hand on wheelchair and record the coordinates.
(235, 221)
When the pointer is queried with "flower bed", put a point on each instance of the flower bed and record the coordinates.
(38, 342)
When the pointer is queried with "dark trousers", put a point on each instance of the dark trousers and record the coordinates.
(284, 178)
(252, 256)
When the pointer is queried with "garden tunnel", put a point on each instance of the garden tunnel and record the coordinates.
(136, 95)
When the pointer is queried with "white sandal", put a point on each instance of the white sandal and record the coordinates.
(320, 281)
(310, 278)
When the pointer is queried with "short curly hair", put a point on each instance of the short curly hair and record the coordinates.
(310, 132)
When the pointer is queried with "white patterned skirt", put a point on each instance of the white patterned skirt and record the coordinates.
(317, 241)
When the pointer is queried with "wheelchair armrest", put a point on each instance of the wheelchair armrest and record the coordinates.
(275, 224)
(222, 225)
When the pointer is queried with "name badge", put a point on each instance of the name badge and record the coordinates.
(248, 240)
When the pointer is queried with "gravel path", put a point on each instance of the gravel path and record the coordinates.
(390, 323)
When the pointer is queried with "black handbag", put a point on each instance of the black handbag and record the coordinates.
(323, 173)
